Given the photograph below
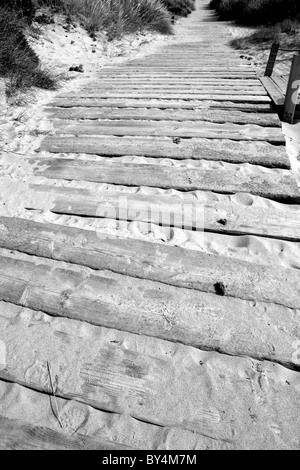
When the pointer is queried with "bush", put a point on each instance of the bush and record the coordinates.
(116, 16)
(257, 12)
(180, 7)
(18, 62)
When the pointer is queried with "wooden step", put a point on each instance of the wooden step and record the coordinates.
(273, 90)
(180, 92)
(131, 375)
(240, 214)
(258, 153)
(170, 129)
(156, 114)
(169, 265)
(171, 96)
(180, 89)
(272, 184)
(169, 80)
(193, 105)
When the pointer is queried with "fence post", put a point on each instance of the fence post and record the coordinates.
(292, 93)
(272, 59)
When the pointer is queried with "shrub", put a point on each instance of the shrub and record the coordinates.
(116, 16)
(179, 7)
(18, 62)
(257, 12)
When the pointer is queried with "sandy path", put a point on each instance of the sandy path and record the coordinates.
(129, 255)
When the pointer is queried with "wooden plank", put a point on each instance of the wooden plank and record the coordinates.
(280, 82)
(257, 153)
(178, 80)
(213, 72)
(236, 214)
(273, 91)
(170, 96)
(17, 435)
(272, 184)
(178, 315)
(139, 259)
(168, 88)
(292, 93)
(230, 91)
(156, 114)
(130, 375)
(170, 129)
(137, 89)
(180, 75)
(211, 65)
(162, 104)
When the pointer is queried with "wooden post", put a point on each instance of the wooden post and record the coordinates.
(272, 59)
(292, 93)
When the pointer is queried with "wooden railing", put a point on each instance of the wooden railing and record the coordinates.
(288, 95)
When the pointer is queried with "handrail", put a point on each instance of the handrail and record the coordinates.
(273, 56)
(293, 85)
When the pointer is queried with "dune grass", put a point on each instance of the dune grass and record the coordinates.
(18, 62)
(277, 20)
(115, 16)
(257, 12)
(20, 65)
(180, 7)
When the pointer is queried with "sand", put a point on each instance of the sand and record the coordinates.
(263, 394)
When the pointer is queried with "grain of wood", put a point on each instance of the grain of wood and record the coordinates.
(139, 259)
(170, 129)
(239, 214)
(273, 90)
(193, 105)
(259, 153)
(218, 116)
(272, 184)
(130, 374)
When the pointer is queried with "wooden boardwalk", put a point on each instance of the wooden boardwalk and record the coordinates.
(115, 294)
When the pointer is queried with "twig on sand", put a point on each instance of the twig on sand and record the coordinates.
(53, 389)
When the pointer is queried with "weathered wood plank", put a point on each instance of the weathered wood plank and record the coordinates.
(17, 435)
(156, 114)
(166, 264)
(180, 92)
(193, 318)
(272, 184)
(177, 88)
(170, 129)
(273, 91)
(162, 104)
(206, 63)
(179, 75)
(280, 82)
(240, 214)
(128, 375)
(257, 153)
(180, 81)
(171, 96)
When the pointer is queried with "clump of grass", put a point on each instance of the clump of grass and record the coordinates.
(18, 62)
(180, 7)
(257, 12)
(115, 16)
